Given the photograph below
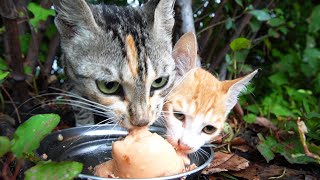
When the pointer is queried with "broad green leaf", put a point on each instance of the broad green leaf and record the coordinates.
(3, 74)
(27, 70)
(250, 118)
(275, 22)
(241, 55)
(3, 65)
(314, 24)
(278, 79)
(40, 14)
(240, 43)
(229, 23)
(283, 29)
(239, 2)
(4, 145)
(255, 25)
(265, 148)
(54, 170)
(29, 134)
(253, 108)
(279, 110)
(261, 15)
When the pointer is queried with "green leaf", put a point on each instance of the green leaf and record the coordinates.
(5, 145)
(265, 148)
(239, 2)
(253, 108)
(3, 65)
(261, 15)
(255, 25)
(54, 170)
(40, 14)
(240, 43)
(241, 55)
(3, 74)
(279, 110)
(229, 23)
(314, 24)
(275, 22)
(27, 70)
(250, 118)
(278, 79)
(29, 134)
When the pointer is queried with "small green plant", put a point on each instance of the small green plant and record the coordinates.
(26, 139)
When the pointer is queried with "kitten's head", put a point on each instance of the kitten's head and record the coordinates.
(120, 57)
(196, 109)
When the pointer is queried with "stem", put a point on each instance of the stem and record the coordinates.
(5, 168)
(302, 130)
(13, 104)
(17, 169)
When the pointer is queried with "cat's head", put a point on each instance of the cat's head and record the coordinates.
(196, 109)
(120, 57)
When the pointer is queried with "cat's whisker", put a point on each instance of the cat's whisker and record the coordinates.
(103, 112)
(89, 129)
(178, 83)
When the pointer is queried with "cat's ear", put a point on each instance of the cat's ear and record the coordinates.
(235, 87)
(163, 18)
(185, 53)
(73, 17)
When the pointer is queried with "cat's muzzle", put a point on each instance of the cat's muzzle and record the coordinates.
(140, 123)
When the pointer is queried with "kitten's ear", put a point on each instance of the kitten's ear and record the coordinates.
(74, 17)
(185, 53)
(163, 18)
(235, 87)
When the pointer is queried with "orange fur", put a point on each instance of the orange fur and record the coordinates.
(132, 55)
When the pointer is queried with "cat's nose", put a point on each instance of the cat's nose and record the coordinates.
(140, 123)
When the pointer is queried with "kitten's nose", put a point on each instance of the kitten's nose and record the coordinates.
(140, 123)
(183, 147)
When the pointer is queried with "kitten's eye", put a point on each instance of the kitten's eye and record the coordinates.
(209, 129)
(159, 83)
(109, 88)
(179, 116)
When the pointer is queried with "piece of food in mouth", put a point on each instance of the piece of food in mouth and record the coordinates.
(142, 154)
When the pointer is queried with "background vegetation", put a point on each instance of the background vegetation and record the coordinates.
(234, 38)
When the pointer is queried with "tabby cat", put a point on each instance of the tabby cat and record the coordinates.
(197, 108)
(120, 58)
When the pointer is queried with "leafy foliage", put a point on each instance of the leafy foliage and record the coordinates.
(54, 170)
(40, 14)
(27, 138)
(29, 134)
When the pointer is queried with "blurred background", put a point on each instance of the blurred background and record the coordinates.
(235, 37)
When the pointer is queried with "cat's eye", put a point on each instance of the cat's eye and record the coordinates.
(180, 116)
(209, 129)
(109, 88)
(159, 83)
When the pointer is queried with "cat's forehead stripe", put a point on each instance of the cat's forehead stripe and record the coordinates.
(132, 55)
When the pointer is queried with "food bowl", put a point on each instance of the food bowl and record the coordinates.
(91, 145)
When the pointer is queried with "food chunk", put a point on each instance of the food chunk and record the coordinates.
(142, 154)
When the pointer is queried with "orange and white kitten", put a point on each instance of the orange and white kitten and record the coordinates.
(196, 109)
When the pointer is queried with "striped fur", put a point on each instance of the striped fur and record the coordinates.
(128, 45)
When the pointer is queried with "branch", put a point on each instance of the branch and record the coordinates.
(243, 23)
(302, 130)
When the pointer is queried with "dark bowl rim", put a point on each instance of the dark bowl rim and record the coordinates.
(177, 176)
